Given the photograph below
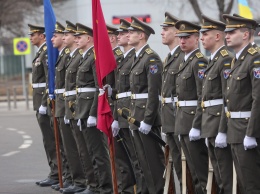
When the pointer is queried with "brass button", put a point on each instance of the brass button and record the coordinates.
(238, 78)
(230, 75)
(227, 100)
(209, 78)
(205, 75)
(218, 113)
(227, 88)
(192, 112)
(203, 109)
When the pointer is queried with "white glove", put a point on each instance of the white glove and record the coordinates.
(79, 124)
(249, 142)
(101, 91)
(221, 140)
(144, 128)
(194, 134)
(115, 128)
(179, 137)
(207, 142)
(66, 121)
(43, 110)
(92, 121)
(109, 89)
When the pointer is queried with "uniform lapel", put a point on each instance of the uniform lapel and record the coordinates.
(139, 56)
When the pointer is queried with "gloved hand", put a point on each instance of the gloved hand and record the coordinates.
(207, 142)
(92, 121)
(144, 128)
(115, 128)
(221, 140)
(109, 89)
(101, 91)
(43, 110)
(79, 124)
(66, 121)
(249, 142)
(194, 134)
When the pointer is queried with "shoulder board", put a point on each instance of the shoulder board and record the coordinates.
(224, 52)
(149, 51)
(199, 55)
(67, 50)
(252, 51)
(44, 48)
(80, 51)
(118, 52)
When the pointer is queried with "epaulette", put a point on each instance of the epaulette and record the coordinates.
(224, 52)
(252, 51)
(149, 51)
(118, 52)
(199, 55)
(67, 50)
(44, 48)
(80, 51)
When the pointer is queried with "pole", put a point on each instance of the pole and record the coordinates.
(57, 141)
(113, 166)
(23, 73)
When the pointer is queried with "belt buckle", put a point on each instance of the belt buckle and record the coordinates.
(163, 100)
(116, 96)
(64, 94)
(132, 96)
(202, 104)
(228, 114)
(177, 104)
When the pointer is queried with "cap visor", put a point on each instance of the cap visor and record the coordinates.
(229, 29)
(204, 30)
(183, 34)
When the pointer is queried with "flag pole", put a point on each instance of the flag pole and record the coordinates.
(57, 141)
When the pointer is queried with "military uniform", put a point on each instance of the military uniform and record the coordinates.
(243, 94)
(189, 112)
(77, 176)
(169, 74)
(127, 166)
(86, 105)
(70, 97)
(145, 86)
(213, 115)
(40, 99)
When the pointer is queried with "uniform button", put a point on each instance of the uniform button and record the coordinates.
(165, 70)
(209, 78)
(192, 112)
(205, 75)
(238, 78)
(132, 103)
(119, 70)
(143, 106)
(227, 100)
(218, 113)
(202, 86)
(163, 93)
(230, 75)
(184, 77)
(164, 81)
(177, 85)
(203, 109)
(227, 88)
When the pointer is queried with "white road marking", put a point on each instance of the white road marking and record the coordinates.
(10, 153)
(26, 136)
(26, 144)
(26, 180)
(11, 129)
(21, 132)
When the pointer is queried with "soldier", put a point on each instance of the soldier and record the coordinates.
(69, 118)
(242, 99)
(86, 112)
(145, 86)
(127, 165)
(169, 74)
(39, 75)
(69, 144)
(189, 112)
(214, 123)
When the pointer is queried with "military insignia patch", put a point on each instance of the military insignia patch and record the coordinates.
(257, 62)
(153, 69)
(201, 64)
(37, 62)
(201, 73)
(257, 72)
(227, 64)
(226, 73)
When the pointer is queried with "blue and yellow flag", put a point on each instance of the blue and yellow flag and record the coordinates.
(244, 9)
(49, 22)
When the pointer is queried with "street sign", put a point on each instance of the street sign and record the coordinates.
(21, 46)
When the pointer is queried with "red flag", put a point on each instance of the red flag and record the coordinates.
(105, 63)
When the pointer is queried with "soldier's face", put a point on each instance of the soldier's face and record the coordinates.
(68, 39)
(122, 38)
(57, 40)
(82, 41)
(168, 35)
(235, 38)
(189, 43)
(208, 39)
(133, 38)
(35, 39)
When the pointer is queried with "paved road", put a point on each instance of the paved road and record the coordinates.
(22, 157)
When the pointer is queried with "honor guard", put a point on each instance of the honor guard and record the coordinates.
(127, 167)
(69, 118)
(189, 111)
(214, 123)
(242, 100)
(86, 112)
(169, 98)
(39, 75)
(145, 87)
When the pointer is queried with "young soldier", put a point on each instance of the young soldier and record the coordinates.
(242, 100)
(214, 123)
(189, 112)
(126, 160)
(169, 74)
(70, 97)
(86, 112)
(69, 143)
(145, 85)
(39, 75)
